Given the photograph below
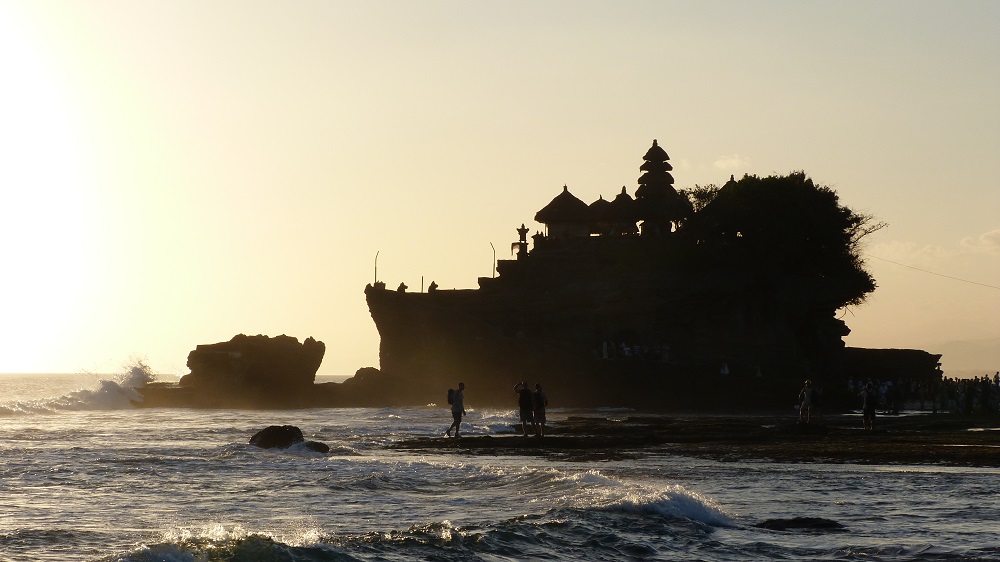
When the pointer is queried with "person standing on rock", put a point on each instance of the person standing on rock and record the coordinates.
(526, 405)
(541, 401)
(868, 401)
(806, 401)
(457, 410)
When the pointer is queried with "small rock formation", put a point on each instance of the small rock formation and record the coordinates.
(259, 365)
(283, 437)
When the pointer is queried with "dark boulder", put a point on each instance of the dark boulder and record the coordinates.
(283, 437)
(317, 446)
(277, 437)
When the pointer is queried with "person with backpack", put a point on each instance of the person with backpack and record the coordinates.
(456, 398)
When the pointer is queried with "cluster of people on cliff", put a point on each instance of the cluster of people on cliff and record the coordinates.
(531, 408)
(978, 395)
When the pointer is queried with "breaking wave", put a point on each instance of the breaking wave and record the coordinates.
(116, 393)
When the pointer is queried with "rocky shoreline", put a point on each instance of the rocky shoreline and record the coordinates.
(923, 439)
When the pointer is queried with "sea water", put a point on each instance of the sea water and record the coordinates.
(85, 475)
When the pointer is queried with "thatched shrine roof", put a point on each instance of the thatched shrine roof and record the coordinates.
(564, 208)
(600, 210)
(623, 207)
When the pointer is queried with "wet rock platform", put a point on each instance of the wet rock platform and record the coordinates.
(908, 439)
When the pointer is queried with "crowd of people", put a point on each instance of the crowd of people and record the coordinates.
(978, 395)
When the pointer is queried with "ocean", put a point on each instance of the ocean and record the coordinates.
(87, 476)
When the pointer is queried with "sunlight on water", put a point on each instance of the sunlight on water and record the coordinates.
(82, 476)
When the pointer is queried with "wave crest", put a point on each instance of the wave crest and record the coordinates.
(609, 494)
(672, 501)
(118, 393)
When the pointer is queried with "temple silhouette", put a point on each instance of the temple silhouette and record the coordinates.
(707, 298)
(719, 296)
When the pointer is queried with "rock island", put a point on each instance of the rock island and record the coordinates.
(707, 298)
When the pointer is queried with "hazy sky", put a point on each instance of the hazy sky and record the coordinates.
(174, 173)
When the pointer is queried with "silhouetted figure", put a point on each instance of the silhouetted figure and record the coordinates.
(433, 287)
(402, 288)
(541, 401)
(457, 410)
(526, 405)
(868, 402)
(805, 401)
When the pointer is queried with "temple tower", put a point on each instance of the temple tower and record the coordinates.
(656, 198)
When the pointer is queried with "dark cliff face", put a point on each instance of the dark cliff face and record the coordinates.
(492, 338)
(600, 323)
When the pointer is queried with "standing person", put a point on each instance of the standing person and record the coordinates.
(526, 405)
(806, 401)
(541, 401)
(868, 400)
(457, 410)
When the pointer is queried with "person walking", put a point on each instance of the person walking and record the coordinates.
(457, 410)
(541, 401)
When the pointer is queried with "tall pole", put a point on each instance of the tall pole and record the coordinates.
(494, 260)
(376, 267)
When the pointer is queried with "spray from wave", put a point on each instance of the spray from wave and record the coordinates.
(596, 491)
(117, 393)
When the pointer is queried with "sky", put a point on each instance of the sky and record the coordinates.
(176, 173)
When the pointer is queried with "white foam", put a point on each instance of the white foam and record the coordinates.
(673, 501)
(598, 491)
(119, 393)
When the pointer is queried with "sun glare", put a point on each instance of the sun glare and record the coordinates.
(42, 216)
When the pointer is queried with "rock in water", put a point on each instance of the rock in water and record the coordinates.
(277, 364)
(283, 437)
(277, 437)
(317, 446)
(804, 523)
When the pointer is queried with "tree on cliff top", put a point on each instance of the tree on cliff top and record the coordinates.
(786, 225)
